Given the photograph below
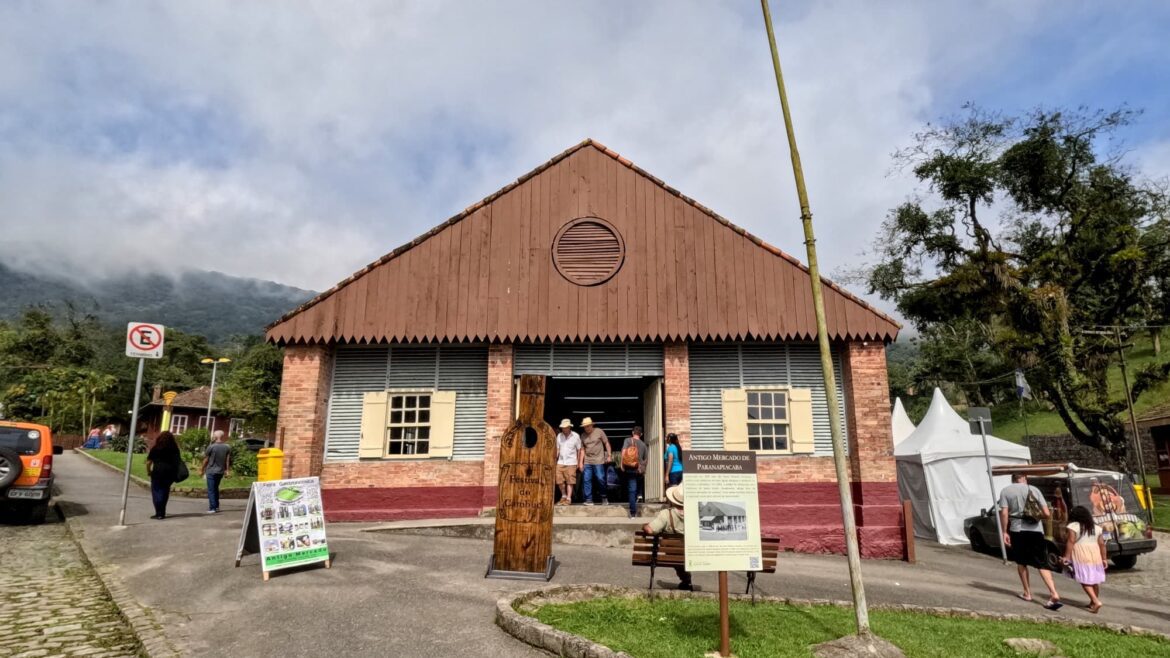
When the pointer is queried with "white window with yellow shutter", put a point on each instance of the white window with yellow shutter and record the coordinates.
(768, 420)
(405, 424)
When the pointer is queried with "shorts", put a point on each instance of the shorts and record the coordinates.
(567, 474)
(1029, 549)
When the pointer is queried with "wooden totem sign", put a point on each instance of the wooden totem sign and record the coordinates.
(524, 510)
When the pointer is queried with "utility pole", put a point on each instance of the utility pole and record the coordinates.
(851, 547)
(1137, 437)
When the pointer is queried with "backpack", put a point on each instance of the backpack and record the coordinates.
(630, 456)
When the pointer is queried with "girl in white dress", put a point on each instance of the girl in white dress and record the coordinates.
(1085, 554)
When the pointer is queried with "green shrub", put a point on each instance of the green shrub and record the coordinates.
(119, 443)
(193, 443)
(243, 460)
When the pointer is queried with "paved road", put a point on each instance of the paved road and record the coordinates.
(51, 601)
(405, 595)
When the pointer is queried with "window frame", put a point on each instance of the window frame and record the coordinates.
(171, 426)
(786, 422)
(391, 394)
(235, 427)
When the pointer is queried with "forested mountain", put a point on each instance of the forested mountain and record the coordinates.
(210, 304)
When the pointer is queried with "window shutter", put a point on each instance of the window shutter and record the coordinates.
(735, 419)
(372, 444)
(801, 423)
(442, 423)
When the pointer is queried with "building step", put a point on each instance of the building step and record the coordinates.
(609, 511)
(583, 531)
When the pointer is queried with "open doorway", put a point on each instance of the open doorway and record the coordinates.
(616, 405)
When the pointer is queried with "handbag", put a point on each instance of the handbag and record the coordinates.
(1033, 509)
(182, 473)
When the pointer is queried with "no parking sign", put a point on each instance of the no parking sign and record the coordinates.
(144, 341)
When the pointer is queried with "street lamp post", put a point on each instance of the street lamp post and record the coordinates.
(211, 394)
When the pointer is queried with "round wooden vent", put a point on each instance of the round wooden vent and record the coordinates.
(588, 251)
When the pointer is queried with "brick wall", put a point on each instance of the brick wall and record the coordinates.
(500, 414)
(677, 389)
(871, 442)
(304, 398)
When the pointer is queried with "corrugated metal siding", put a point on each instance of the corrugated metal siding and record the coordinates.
(458, 368)
(488, 274)
(716, 366)
(355, 371)
(589, 360)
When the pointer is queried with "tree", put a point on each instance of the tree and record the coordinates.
(251, 390)
(1070, 251)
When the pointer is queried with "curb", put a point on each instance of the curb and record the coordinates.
(186, 492)
(152, 642)
(559, 643)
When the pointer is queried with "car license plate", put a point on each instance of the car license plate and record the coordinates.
(35, 494)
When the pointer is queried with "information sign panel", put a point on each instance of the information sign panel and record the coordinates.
(722, 509)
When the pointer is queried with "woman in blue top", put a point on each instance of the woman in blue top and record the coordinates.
(673, 459)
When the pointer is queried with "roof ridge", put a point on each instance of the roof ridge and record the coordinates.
(588, 141)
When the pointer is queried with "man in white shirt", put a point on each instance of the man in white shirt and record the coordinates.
(570, 457)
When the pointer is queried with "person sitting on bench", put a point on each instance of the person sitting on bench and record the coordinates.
(670, 522)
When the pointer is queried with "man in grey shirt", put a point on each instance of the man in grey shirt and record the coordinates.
(1024, 536)
(598, 458)
(217, 462)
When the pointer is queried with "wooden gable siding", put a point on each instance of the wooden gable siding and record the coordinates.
(488, 273)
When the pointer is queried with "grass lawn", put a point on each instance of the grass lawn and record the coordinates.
(138, 467)
(1161, 503)
(681, 628)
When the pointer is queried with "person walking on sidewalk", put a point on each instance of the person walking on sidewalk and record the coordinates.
(598, 456)
(162, 465)
(1085, 554)
(1024, 506)
(633, 466)
(570, 457)
(217, 462)
(670, 522)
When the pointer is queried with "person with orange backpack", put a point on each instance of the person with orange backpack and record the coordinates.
(634, 467)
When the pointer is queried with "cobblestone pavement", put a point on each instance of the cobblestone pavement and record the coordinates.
(1149, 578)
(51, 601)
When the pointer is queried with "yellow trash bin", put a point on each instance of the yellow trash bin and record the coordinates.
(1144, 498)
(269, 464)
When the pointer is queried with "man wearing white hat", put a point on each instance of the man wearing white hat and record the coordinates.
(570, 456)
(670, 522)
(598, 457)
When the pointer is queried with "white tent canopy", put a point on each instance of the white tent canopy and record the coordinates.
(941, 470)
(903, 426)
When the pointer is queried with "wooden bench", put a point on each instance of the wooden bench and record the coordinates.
(670, 551)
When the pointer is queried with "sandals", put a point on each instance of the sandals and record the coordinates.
(1024, 597)
(1053, 604)
(1094, 608)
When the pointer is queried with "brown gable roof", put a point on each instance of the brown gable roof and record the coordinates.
(196, 398)
(487, 274)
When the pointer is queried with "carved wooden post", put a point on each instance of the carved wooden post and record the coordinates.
(524, 511)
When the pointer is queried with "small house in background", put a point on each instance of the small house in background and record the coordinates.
(188, 410)
(638, 305)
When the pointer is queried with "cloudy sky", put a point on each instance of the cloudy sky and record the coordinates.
(299, 141)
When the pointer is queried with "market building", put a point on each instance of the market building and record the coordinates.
(641, 306)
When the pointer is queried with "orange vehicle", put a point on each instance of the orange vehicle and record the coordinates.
(26, 470)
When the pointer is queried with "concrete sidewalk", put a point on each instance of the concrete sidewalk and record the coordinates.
(404, 595)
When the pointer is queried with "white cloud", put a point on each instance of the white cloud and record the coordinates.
(299, 143)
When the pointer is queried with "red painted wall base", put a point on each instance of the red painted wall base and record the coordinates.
(806, 516)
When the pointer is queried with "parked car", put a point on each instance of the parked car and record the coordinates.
(255, 444)
(26, 470)
(1110, 497)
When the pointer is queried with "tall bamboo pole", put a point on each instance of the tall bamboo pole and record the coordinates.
(851, 548)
